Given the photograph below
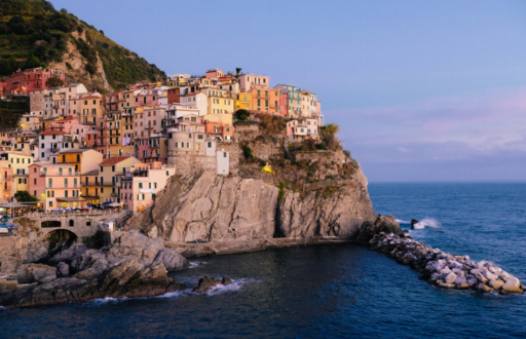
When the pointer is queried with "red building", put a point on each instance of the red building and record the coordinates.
(29, 80)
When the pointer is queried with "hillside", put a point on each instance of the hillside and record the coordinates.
(33, 34)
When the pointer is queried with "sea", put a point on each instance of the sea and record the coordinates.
(341, 291)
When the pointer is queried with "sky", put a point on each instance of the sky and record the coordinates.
(422, 90)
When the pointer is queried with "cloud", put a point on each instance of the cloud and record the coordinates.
(487, 123)
(464, 132)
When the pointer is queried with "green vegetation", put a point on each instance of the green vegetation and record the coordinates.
(54, 82)
(328, 136)
(247, 152)
(11, 110)
(241, 115)
(122, 67)
(34, 34)
(272, 125)
(24, 196)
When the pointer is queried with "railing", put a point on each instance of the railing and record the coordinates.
(92, 213)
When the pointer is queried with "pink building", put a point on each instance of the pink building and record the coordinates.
(147, 121)
(30, 80)
(55, 185)
(139, 189)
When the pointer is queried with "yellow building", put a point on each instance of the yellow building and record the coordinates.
(83, 160)
(19, 164)
(220, 106)
(90, 109)
(243, 101)
(89, 187)
(109, 172)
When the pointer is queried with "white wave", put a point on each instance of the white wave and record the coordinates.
(401, 221)
(107, 300)
(234, 286)
(195, 264)
(175, 294)
(427, 222)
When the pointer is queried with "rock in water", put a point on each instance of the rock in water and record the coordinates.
(206, 284)
(441, 268)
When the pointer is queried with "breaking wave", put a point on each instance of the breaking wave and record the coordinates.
(427, 223)
(175, 294)
(401, 221)
(107, 300)
(234, 286)
(195, 264)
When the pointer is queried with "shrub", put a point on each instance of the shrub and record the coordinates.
(241, 115)
(247, 152)
(54, 82)
(24, 196)
(328, 136)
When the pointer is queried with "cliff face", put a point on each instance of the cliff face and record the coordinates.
(313, 197)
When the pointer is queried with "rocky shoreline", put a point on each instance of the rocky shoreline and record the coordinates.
(133, 265)
(436, 266)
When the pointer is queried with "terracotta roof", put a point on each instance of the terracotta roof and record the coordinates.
(114, 160)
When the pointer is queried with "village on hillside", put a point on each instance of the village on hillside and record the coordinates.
(76, 150)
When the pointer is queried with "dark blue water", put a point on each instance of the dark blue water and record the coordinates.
(338, 291)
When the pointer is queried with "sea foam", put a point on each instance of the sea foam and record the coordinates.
(427, 222)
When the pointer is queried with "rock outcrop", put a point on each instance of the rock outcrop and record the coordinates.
(440, 268)
(132, 266)
(207, 284)
(239, 214)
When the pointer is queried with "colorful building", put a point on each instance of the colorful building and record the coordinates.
(139, 188)
(29, 80)
(55, 185)
(83, 160)
(109, 172)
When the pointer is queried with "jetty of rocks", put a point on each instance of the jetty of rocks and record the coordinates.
(440, 268)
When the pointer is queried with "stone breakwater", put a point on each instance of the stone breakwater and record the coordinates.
(441, 268)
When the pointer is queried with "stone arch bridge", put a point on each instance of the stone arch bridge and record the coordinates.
(82, 224)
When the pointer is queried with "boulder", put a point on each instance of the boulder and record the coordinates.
(62, 269)
(512, 285)
(484, 288)
(206, 284)
(171, 260)
(383, 223)
(496, 284)
(450, 278)
(30, 273)
(136, 244)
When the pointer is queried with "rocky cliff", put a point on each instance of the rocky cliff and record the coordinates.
(312, 195)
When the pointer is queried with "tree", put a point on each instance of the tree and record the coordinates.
(24, 196)
(241, 115)
(54, 82)
(328, 135)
